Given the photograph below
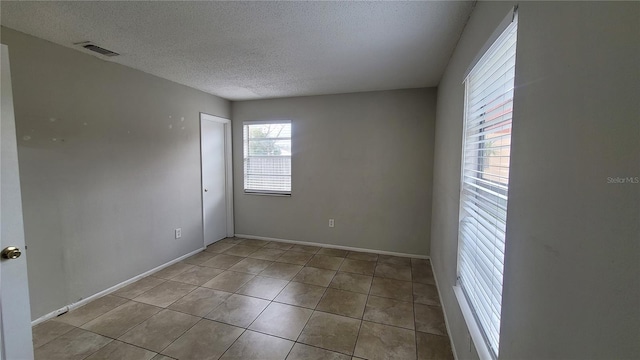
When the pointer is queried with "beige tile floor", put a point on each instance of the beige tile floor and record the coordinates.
(253, 299)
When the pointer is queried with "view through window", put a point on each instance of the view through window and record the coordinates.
(267, 157)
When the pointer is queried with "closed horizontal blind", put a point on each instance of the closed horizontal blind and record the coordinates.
(485, 182)
(267, 157)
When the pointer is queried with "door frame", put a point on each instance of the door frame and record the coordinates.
(228, 164)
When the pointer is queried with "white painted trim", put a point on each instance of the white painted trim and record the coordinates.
(446, 318)
(332, 246)
(472, 325)
(228, 160)
(88, 299)
(508, 19)
(257, 122)
(229, 182)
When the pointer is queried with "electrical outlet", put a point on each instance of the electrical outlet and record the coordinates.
(331, 223)
(178, 233)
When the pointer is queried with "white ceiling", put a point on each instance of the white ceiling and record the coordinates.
(252, 50)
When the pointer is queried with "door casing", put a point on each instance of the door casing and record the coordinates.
(228, 173)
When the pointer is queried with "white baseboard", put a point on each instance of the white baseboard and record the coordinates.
(350, 248)
(446, 319)
(88, 299)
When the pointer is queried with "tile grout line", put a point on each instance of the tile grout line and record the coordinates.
(244, 330)
(165, 308)
(314, 311)
(112, 340)
(365, 308)
(261, 312)
(202, 318)
(316, 306)
(270, 302)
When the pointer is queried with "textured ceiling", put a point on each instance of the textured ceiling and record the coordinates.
(253, 50)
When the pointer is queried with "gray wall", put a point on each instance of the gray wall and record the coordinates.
(101, 202)
(571, 288)
(364, 159)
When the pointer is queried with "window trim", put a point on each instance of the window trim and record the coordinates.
(484, 353)
(511, 17)
(245, 156)
(477, 334)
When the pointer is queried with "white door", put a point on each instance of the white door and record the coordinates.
(215, 145)
(15, 314)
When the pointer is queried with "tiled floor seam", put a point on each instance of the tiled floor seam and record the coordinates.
(112, 340)
(290, 350)
(363, 311)
(439, 335)
(307, 322)
(165, 308)
(158, 352)
(321, 348)
(124, 342)
(413, 307)
(233, 343)
(390, 325)
(54, 338)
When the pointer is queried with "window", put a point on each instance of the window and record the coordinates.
(267, 157)
(485, 182)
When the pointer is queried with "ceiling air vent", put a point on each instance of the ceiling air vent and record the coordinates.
(95, 48)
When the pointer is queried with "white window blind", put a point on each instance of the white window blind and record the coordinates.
(267, 157)
(485, 182)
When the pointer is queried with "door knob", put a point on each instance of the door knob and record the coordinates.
(205, 190)
(11, 252)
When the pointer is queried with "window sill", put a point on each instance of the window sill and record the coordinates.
(472, 325)
(266, 194)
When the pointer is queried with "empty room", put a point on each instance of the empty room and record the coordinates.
(320, 180)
